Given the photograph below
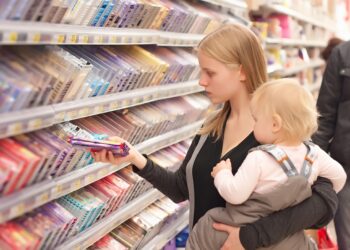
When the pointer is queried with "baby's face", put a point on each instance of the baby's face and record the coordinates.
(263, 128)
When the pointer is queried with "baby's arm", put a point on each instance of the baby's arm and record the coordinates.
(331, 169)
(236, 189)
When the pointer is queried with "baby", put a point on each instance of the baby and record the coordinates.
(275, 175)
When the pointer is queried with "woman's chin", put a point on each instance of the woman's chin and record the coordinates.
(215, 101)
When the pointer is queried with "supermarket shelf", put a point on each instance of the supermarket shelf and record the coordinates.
(294, 42)
(38, 194)
(274, 68)
(35, 118)
(168, 233)
(280, 71)
(228, 3)
(18, 122)
(16, 32)
(106, 225)
(306, 17)
(299, 68)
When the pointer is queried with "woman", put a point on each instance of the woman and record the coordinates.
(233, 66)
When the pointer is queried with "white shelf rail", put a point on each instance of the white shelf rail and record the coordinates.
(18, 32)
(294, 42)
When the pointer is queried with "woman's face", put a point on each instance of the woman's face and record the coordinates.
(221, 83)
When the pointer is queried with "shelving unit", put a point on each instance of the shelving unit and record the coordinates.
(35, 118)
(14, 123)
(294, 42)
(282, 72)
(40, 117)
(297, 69)
(228, 3)
(33, 33)
(36, 195)
(106, 225)
(168, 233)
(305, 17)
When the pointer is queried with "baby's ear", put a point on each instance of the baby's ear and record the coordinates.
(276, 123)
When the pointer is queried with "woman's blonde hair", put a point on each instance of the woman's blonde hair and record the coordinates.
(290, 101)
(234, 44)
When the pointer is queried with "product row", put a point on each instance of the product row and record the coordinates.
(175, 16)
(36, 76)
(53, 223)
(137, 231)
(33, 157)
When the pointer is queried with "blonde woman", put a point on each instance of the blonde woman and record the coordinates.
(275, 175)
(232, 67)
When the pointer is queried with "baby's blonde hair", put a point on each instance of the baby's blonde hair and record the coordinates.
(293, 103)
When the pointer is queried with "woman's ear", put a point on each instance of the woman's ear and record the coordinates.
(242, 75)
(276, 123)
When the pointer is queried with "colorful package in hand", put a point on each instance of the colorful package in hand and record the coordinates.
(97, 145)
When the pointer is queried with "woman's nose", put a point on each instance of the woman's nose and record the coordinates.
(203, 81)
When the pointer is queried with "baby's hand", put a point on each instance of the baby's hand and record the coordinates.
(220, 166)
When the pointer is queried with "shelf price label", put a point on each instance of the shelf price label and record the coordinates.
(35, 38)
(98, 39)
(11, 37)
(147, 98)
(71, 115)
(17, 210)
(15, 128)
(113, 105)
(35, 123)
(75, 185)
(113, 40)
(88, 179)
(59, 38)
(42, 198)
(137, 100)
(73, 38)
(56, 191)
(59, 117)
(136, 39)
(98, 109)
(83, 112)
(101, 173)
(126, 102)
(83, 39)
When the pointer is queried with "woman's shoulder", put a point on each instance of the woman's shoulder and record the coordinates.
(250, 142)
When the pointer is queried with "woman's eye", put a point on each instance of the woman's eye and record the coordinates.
(210, 74)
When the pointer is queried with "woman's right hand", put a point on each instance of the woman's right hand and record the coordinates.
(134, 157)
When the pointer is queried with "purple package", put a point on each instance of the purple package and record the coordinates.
(96, 145)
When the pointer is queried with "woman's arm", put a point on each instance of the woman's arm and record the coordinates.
(172, 184)
(314, 212)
